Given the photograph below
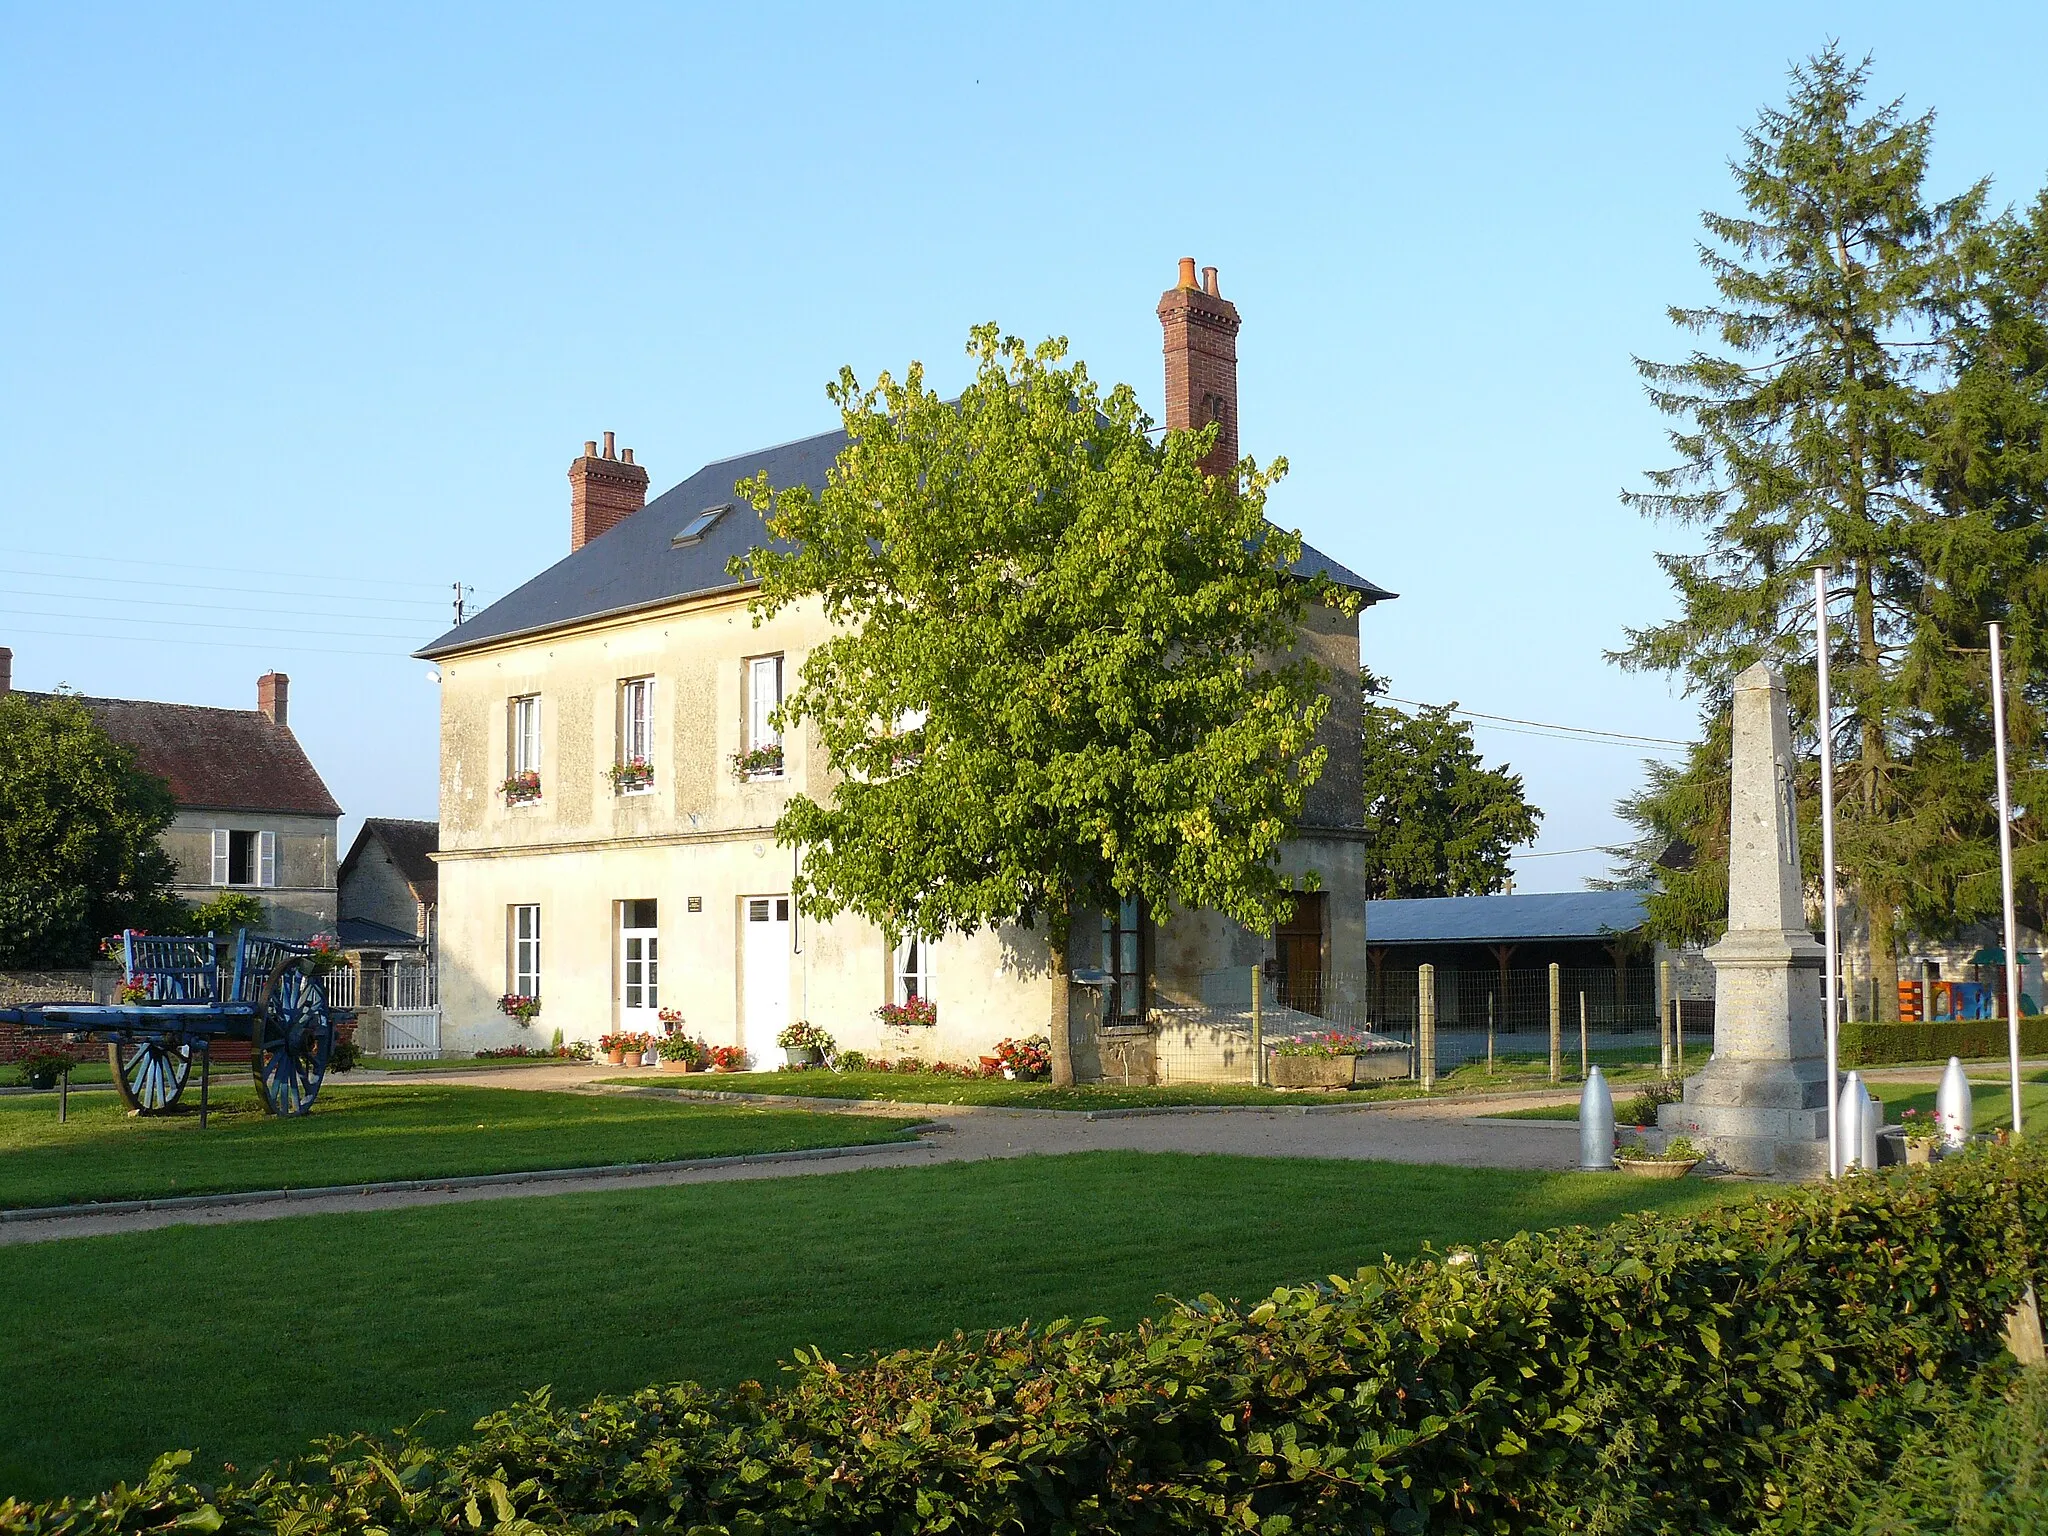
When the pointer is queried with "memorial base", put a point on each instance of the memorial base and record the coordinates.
(1759, 1117)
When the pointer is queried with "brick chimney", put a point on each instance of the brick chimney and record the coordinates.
(603, 492)
(1201, 361)
(6, 670)
(273, 696)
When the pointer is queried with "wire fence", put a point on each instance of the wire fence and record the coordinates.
(1611, 1017)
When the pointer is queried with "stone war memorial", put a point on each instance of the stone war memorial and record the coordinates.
(1760, 1105)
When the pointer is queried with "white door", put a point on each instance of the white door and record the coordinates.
(764, 977)
(639, 968)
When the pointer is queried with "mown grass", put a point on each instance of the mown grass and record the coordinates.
(242, 1342)
(359, 1135)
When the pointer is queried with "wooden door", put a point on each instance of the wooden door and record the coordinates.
(1300, 944)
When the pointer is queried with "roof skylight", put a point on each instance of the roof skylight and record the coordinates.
(700, 525)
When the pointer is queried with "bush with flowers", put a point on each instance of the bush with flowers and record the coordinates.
(683, 1049)
(574, 1050)
(728, 1058)
(1328, 1045)
(1025, 1060)
(517, 1005)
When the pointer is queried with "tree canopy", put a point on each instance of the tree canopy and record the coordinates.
(1060, 670)
(1438, 821)
(1867, 397)
(79, 822)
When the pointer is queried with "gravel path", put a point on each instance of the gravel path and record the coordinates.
(1407, 1132)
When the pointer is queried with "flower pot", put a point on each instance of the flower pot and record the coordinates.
(1312, 1071)
(1920, 1153)
(802, 1055)
(42, 1080)
(616, 1058)
(1657, 1167)
(678, 1066)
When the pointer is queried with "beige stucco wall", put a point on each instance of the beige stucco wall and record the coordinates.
(700, 832)
(300, 904)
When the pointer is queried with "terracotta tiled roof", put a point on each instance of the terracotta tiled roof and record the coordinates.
(411, 845)
(218, 759)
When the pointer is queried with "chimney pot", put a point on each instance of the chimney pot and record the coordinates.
(625, 455)
(590, 448)
(1209, 282)
(608, 447)
(273, 697)
(6, 670)
(1187, 272)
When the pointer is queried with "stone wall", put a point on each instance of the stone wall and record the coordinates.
(18, 988)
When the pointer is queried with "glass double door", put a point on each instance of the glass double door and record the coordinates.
(639, 968)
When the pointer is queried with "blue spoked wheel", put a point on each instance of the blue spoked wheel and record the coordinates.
(149, 1074)
(292, 1039)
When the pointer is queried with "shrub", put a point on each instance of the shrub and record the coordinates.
(1659, 1375)
(227, 912)
(1642, 1109)
(1874, 1045)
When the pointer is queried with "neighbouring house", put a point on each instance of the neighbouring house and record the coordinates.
(386, 887)
(603, 848)
(253, 814)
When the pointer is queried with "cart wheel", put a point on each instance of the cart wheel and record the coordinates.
(292, 1037)
(150, 1074)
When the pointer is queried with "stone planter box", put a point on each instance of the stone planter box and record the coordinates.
(1656, 1167)
(1312, 1071)
(1381, 1066)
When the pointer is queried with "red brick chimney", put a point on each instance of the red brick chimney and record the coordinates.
(273, 696)
(603, 492)
(1201, 362)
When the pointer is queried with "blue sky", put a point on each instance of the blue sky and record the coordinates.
(303, 315)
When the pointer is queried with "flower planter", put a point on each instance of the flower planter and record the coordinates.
(1380, 1066)
(616, 1058)
(679, 1066)
(1920, 1153)
(42, 1080)
(1657, 1167)
(1312, 1071)
(802, 1055)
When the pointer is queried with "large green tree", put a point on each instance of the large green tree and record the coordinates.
(1061, 668)
(1801, 442)
(1438, 821)
(79, 823)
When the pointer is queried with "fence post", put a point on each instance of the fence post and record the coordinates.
(1425, 1025)
(1582, 1037)
(1258, 1035)
(1664, 1018)
(1556, 1022)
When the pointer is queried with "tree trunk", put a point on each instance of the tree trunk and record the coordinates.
(1884, 959)
(1059, 1028)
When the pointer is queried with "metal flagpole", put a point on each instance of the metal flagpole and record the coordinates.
(2012, 951)
(1831, 982)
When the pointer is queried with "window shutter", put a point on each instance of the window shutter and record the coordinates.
(220, 855)
(266, 858)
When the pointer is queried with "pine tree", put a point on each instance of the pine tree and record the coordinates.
(1800, 445)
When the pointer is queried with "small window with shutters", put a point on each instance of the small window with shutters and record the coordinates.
(244, 858)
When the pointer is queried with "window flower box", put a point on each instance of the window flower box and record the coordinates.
(761, 763)
(919, 1010)
(517, 1005)
(634, 777)
(521, 788)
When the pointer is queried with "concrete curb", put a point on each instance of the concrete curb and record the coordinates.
(458, 1181)
(898, 1106)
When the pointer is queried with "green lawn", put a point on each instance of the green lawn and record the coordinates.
(356, 1135)
(94, 1070)
(244, 1341)
(915, 1088)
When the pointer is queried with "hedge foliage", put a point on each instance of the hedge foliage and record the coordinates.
(1875, 1045)
(1659, 1375)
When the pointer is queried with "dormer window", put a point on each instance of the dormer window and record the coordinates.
(700, 525)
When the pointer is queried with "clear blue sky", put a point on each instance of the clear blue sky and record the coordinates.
(305, 315)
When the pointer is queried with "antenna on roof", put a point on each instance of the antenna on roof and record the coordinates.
(463, 592)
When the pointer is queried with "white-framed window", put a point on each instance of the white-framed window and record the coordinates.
(522, 737)
(525, 925)
(244, 858)
(635, 753)
(764, 697)
(913, 971)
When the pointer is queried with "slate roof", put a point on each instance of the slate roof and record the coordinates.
(1473, 919)
(218, 759)
(635, 565)
(411, 845)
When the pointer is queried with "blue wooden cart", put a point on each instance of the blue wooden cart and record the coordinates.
(181, 995)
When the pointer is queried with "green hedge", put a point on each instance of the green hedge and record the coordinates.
(1659, 1375)
(1874, 1045)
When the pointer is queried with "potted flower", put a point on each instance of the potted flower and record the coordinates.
(919, 1010)
(517, 1005)
(680, 1053)
(522, 787)
(613, 1048)
(632, 776)
(671, 1020)
(323, 952)
(1023, 1060)
(42, 1069)
(761, 763)
(1327, 1060)
(1678, 1158)
(728, 1058)
(1922, 1128)
(804, 1044)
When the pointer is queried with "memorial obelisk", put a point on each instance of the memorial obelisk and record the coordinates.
(1760, 1106)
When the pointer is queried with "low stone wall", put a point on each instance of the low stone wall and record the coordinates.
(18, 988)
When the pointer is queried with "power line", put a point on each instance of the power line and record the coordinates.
(1544, 727)
(219, 645)
(412, 624)
(1558, 853)
(247, 629)
(140, 581)
(243, 570)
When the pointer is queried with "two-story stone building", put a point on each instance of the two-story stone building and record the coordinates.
(253, 814)
(610, 781)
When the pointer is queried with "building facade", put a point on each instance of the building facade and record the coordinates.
(610, 780)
